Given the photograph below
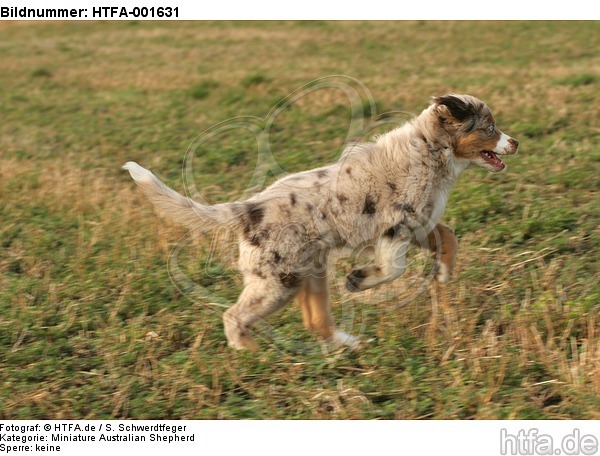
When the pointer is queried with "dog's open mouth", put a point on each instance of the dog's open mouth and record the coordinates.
(492, 159)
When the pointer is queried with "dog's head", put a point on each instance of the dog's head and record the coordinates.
(473, 131)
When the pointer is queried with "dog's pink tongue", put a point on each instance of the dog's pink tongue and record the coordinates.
(493, 159)
(497, 162)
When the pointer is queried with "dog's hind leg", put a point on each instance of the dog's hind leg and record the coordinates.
(316, 314)
(259, 299)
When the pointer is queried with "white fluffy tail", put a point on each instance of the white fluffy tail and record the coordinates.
(179, 208)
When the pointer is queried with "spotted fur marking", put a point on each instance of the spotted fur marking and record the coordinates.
(370, 206)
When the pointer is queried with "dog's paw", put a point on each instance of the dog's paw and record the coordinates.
(242, 342)
(250, 346)
(363, 278)
(342, 339)
(354, 280)
(443, 274)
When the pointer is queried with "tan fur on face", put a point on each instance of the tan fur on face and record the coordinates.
(388, 193)
(471, 144)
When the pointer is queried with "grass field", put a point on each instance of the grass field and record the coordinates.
(91, 325)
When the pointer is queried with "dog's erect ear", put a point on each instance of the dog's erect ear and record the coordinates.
(450, 106)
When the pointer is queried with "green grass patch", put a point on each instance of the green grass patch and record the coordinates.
(203, 89)
(580, 79)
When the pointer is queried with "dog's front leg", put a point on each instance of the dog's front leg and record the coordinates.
(389, 264)
(443, 243)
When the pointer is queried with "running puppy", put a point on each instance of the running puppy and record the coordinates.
(390, 192)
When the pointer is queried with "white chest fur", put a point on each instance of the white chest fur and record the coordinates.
(456, 167)
(439, 203)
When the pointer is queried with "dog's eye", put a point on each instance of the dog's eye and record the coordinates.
(490, 130)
